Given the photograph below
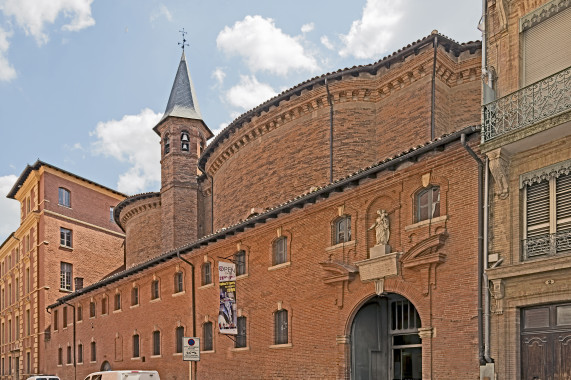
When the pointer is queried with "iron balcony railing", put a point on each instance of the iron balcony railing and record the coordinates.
(534, 103)
(558, 243)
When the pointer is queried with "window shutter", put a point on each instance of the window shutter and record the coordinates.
(546, 47)
(563, 213)
(537, 209)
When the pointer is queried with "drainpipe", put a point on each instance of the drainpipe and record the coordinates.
(480, 247)
(433, 91)
(193, 305)
(485, 267)
(330, 100)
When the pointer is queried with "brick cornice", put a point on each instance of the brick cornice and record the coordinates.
(139, 206)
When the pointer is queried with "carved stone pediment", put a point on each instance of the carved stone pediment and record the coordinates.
(379, 267)
(425, 257)
(338, 274)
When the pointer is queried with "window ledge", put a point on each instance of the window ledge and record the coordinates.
(245, 275)
(92, 317)
(64, 206)
(156, 356)
(79, 321)
(278, 346)
(211, 285)
(279, 266)
(155, 300)
(66, 247)
(177, 354)
(134, 306)
(104, 315)
(351, 243)
(426, 222)
(65, 291)
(247, 348)
(208, 352)
(179, 294)
(137, 359)
(68, 364)
(117, 311)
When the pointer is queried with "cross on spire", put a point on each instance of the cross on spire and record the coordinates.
(183, 43)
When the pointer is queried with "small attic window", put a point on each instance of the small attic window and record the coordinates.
(184, 142)
(167, 144)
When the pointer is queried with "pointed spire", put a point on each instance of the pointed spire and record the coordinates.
(182, 100)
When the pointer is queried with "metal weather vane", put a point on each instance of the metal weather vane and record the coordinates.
(183, 43)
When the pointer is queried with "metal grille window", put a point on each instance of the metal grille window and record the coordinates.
(135, 296)
(156, 343)
(241, 337)
(207, 336)
(281, 327)
(206, 273)
(65, 237)
(80, 353)
(66, 270)
(240, 261)
(155, 290)
(117, 301)
(178, 282)
(64, 197)
(428, 203)
(343, 229)
(136, 346)
(547, 217)
(280, 251)
(93, 352)
(92, 309)
(404, 317)
(178, 335)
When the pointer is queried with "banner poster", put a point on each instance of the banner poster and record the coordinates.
(227, 318)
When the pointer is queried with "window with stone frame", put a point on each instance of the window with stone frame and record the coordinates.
(427, 203)
(155, 290)
(279, 251)
(64, 317)
(342, 229)
(206, 273)
(547, 211)
(65, 237)
(178, 282)
(241, 340)
(92, 309)
(207, 336)
(240, 261)
(104, 302)
(136, 346)
(135, 296)
(68, 355)
(281, 327)
(93, 352)
(156, 343)
(64, 197)
(178, 335)
(56, 324)
(66, 272)
(80, 353)
(117, 301)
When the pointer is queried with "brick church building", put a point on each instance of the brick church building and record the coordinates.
(349, 205)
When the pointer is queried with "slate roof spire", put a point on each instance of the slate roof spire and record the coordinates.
(182, 100)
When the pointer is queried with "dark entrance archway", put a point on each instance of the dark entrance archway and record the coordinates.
(385, 342)
(105, 366)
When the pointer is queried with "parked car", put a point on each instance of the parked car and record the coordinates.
(123, 375)
(43, 377)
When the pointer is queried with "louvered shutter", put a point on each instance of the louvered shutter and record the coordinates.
(563, 212)
(537, 214)
(547, 47)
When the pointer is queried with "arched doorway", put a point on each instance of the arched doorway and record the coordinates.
(385, 342)
(105, 366)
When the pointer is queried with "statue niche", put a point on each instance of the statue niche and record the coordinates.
(382, 234)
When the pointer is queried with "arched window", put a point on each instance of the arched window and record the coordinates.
(206, 273)
(178, 282)
(428, 203)
(167, 144)
(155, 290)
(342, 229)
(64, 197)
(281, 327)
(280, 251)
(184, 141)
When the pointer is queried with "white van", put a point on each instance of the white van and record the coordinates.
(124, 375)
(43, 377)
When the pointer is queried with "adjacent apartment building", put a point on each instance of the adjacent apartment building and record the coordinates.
(526, 135)
(67, 239)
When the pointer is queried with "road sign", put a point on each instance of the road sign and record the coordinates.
(191, 349)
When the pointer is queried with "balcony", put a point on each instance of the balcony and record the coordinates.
(530, 105)
(558, 243)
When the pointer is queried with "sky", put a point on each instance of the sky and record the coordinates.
(83, 82)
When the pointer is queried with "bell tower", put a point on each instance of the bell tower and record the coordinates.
(183, 133)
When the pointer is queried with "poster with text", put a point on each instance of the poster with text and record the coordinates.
(227, 318)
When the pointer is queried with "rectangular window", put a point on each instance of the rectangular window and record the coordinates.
(68, 354)
(280, 251)
(343, 229)
(27, 279)
(241, 337)
(240, 260)
(155, 290)
(65, 276)
(28, 363)
(207, 336)
(60, 356)
(206, 274)
(17, 289)
(17, 327)
(56, 320)
(65, 237)
(117, 301)
(111, 209)
(281, 327)
(64, 197)
(93, 352)
(80, 353)
(28, 323)
(136, 347)
(135, 296)
(92, 310)
(64, 316)
(178, 282)
(78, 283)
(104, 306)
(179, 335)
(79, 313)
(156, 343)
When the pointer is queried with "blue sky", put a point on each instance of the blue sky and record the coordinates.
(83, 82)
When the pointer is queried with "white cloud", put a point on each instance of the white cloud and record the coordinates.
(369, 36)
(10, 215)
(265, 47)
(249, 93)
(307, 27)
(33, 15)
(7, 71)
(325, 41)
(219, 75)
(132, 140)
(161, 11)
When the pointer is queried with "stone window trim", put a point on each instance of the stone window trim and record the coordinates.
(178, 282)
(285, 236)
(341, 226)
(240, 258)
(542, 13)
(438, 220)
(155, 289)
(545, 173)
(347, 244)
(280, 266)
(282, 306)
(427, 181)
(66, 238)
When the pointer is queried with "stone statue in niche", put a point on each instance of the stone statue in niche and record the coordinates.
(382, 234)
(381, 226)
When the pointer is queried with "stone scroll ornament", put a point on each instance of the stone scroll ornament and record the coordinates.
(381, 226)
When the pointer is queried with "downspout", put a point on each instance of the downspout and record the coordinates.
(433, 90)
(193, 296)
(330, 101)
(487, 317)
(480, 247)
